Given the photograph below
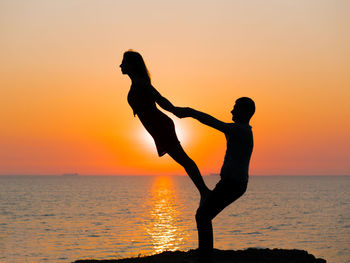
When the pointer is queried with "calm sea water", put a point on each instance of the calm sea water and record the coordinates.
(62, 219)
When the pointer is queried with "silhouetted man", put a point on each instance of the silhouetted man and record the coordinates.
(234, 171)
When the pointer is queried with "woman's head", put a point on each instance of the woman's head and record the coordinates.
(134, 65)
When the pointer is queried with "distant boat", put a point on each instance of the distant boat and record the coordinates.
(71, 174)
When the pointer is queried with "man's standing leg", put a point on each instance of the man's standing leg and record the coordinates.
(222, 195)
(205, 235)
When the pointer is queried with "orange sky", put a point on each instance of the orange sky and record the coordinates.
(63, 98)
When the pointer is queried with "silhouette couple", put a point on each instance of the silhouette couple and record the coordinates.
(143, 97)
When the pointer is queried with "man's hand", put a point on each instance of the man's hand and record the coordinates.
(182, 112)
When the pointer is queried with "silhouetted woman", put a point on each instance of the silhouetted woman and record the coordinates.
(143, 98)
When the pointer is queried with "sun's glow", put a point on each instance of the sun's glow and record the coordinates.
(146, 140)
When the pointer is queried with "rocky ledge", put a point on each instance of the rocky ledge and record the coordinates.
(251, 255)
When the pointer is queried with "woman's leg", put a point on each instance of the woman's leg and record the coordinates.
(179, 155)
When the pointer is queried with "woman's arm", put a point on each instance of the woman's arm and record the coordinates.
(202, 117)
(161, 101)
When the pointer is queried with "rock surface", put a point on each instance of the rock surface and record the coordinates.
(251, 255)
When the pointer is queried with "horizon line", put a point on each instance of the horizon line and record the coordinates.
(205, 175)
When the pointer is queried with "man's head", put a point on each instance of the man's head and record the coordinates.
(243, 110)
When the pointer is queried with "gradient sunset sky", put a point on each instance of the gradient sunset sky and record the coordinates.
(63, 104)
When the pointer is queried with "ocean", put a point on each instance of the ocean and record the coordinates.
(65, 218)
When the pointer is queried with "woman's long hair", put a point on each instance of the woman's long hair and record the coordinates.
(138, 64)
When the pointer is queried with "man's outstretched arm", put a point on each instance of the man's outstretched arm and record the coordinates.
(202, 117)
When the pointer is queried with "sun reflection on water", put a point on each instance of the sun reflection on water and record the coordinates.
(164, 225)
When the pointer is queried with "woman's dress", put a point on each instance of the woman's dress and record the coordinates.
(142, 99)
